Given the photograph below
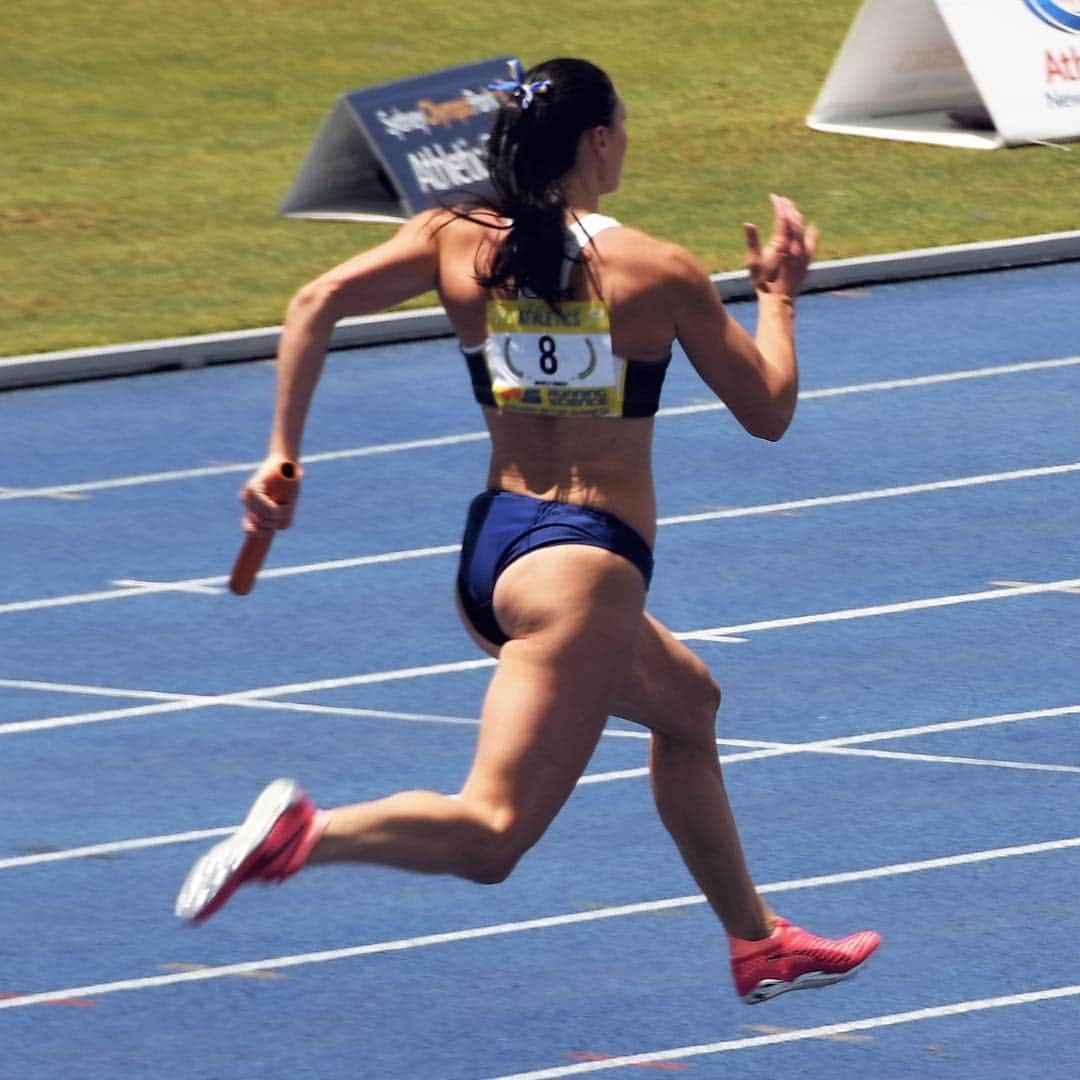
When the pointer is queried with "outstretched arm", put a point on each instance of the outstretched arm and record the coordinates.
(402, 267)
(757, 378)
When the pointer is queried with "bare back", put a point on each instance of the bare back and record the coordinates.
(597, 461)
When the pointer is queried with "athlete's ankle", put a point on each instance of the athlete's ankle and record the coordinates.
(751, 929)
(318, 844)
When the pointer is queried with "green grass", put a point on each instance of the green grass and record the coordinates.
(146, 146)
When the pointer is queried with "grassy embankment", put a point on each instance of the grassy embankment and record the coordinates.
(146, 147)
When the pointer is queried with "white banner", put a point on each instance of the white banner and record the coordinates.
(973, 73)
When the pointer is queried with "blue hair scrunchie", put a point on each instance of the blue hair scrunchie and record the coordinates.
(517, 87)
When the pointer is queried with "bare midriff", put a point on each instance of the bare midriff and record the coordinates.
(603, 462)
(591, 461)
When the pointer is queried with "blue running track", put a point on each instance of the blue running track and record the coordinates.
(890, 597)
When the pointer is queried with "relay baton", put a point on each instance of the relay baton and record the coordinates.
(281, 488)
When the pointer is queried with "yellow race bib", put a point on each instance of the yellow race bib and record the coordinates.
(553, 363)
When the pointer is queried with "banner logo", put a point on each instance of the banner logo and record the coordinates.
(1061, 16)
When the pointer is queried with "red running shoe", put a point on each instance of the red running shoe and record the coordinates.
(791, 959)
(272, 844)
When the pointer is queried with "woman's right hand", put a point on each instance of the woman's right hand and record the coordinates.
(266, 507)
(780, 267)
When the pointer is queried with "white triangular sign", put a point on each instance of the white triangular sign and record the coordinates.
(970, 73)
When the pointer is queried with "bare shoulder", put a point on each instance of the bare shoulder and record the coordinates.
(455, 225)
(649, 256)
(643, 266)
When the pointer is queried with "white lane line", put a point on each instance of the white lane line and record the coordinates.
(938, 728)
(709, 635)
(762, 749)
(254, 698)
(1015, 584)
(68, 490)
(76, 598)
(259, 700)
(896, 384)
(91, 691)
(948, 725)
(453, 668)
(449, 937)
(23, 493)
(241, 699)
(750, 750)
(180, 703)
(212, 583)
(238, 700)
(169, 586)
(788, 749)
(115, 847)
(867, 496)
(846, 742)
(355, 561)
(759, 750)
(374, 714)
(943, 377)
(19, 727)
(947, 759)
(880, 609)
(825, 1031)
(616, 774)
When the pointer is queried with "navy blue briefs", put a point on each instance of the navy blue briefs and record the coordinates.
(502, 526)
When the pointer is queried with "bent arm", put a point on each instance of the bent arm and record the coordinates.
(757, 378)
(402, 267)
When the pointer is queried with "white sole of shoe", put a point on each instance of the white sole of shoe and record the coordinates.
(214, 870)
(808, 981)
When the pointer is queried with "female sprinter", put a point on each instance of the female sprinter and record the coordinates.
(566, 320)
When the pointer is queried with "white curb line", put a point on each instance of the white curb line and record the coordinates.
(260, 344)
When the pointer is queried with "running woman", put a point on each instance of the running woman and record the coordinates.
(566, 320)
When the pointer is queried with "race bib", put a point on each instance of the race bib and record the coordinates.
(554, 363)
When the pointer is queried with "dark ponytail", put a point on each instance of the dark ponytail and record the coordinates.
(529, 152)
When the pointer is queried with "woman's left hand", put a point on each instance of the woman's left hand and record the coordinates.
(781, 266)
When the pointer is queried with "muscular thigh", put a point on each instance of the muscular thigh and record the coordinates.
(665, 686)
(571, 612)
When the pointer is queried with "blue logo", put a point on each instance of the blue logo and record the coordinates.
(1059, 15)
